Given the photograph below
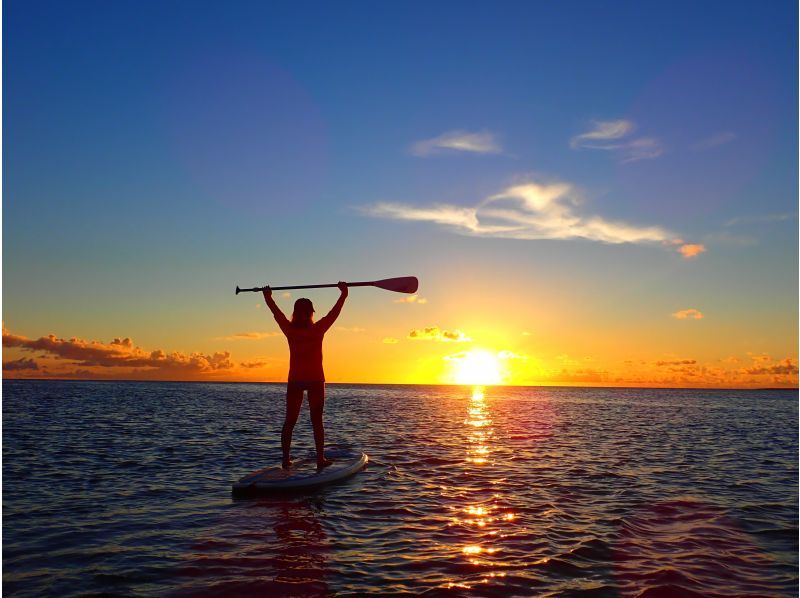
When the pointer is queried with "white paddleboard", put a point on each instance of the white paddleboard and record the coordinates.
(303, 473)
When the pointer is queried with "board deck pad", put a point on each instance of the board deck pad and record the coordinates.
(303, 473)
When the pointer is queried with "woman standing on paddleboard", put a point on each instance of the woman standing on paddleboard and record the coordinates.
(305, 367)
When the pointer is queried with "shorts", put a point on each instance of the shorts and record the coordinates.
(301, 385)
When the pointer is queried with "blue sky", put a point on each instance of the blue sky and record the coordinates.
(158, 153)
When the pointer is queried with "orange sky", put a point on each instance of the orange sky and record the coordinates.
(423, 355)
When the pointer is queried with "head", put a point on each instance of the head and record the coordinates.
(303, 314)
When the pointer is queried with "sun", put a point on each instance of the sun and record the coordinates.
(477, 367)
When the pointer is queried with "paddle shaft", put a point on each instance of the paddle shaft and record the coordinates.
(305, 286)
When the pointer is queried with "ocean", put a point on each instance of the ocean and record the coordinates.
(124, 488)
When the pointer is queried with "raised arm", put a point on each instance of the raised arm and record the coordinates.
(281, 319)
(330, 318)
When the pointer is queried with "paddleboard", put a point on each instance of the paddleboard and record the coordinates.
(303, 473)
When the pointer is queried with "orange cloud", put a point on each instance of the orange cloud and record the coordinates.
(787, 366)
(677, 373)
(412, 299)
(390, 341)
(249, 336)
(436, 334)
(20, 364)
(258, 362)
(690, 250)
(585, 375)
(120, 354)
(688, 314)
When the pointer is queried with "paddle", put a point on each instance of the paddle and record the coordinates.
(404, 284)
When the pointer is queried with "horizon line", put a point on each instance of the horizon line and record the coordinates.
(796, 388)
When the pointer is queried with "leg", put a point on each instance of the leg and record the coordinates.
(316, 404)
(294, 399)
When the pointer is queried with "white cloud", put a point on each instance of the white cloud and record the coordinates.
(529, 210)
(643, 148)
(603, 132)
(613, 135)
(720, 138)
(759, 219)
(457, 141)
(511, 355)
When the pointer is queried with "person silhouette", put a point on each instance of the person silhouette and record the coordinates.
(305, 367)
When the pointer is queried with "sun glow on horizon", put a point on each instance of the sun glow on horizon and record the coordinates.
(477, 367)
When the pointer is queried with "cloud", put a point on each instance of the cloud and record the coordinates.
(120, 353)
(717, 139)
(680, 373)
(786, 367)
(528, 211)
(286, 295)
(759, 219)
(676, 362)
(436, 334)
(585, 375)
(759, 357)
(412, 299)
(687, 250)
(20, 364)
(688, 314)
(603, 131)
(511, 355)
(612, 135)
(249, 336)
(644, 148)
(457, 141)
(566, 359)
(690, 250)
(390, 341)
(258, 362)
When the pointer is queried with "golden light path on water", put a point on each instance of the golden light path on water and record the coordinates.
(482, 518)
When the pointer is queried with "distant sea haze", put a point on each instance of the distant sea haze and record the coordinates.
(124, 488)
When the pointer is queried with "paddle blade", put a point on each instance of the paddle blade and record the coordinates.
(405, 284)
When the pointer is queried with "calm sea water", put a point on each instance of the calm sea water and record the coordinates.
(124, 489)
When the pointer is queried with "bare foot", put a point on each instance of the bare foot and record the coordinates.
(324, 463)
(287, 463)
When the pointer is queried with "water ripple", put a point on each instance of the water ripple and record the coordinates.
(124, 489)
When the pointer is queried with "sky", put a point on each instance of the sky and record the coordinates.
(589, 193)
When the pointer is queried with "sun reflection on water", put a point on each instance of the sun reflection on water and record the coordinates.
(478, 451)
(482, 518)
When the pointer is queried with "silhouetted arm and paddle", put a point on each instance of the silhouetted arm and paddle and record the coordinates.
(326, 322)
(280, 318)
(404, 284)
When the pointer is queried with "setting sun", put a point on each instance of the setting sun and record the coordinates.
(477, 366)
